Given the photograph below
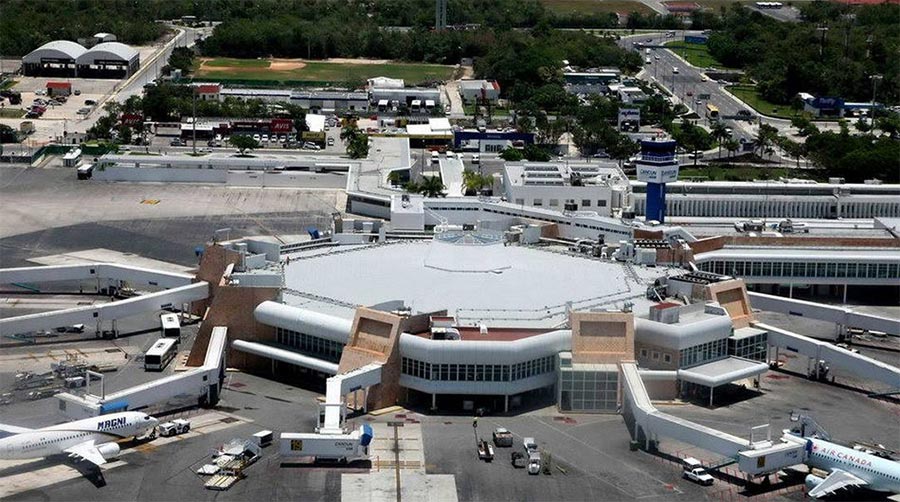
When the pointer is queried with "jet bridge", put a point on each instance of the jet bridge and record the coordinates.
(842, 316)
(332, 440)
(754, 458)
(859, 365)
(203, 383)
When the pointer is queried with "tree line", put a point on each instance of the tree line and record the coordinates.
(832, 52)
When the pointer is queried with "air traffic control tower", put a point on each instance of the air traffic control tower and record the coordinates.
(657, 166)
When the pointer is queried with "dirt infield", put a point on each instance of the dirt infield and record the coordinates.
(286, 65)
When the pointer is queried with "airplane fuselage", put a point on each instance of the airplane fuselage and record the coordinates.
(880, 474)
(56, 439)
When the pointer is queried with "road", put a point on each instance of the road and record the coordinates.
(687, 85)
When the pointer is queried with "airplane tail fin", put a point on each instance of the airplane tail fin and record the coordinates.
(11, 430)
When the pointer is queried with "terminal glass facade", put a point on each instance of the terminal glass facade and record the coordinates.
(749, 268)
(310, 345)
(753, 347)
(703, 353)
(588, 388)
(477, 372)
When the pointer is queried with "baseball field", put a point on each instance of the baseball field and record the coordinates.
(342, 70)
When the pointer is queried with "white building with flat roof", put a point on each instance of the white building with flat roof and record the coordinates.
(601, 188)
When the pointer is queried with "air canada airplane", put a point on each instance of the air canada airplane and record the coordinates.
(91, 439)
(847, 467)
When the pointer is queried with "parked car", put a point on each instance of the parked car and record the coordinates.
(176, 142)
(330, 141)
(256, 137)
(89, 102)
(77, 92)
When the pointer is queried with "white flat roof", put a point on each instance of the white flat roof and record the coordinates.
(723, 371)
(533, 288)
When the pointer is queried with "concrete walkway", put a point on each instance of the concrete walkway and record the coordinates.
(398, 463)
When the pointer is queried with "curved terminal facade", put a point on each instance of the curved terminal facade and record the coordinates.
(468, 319)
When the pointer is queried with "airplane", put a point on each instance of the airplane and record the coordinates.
(91, 439)
(848, 467)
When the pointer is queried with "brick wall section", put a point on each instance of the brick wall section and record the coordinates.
(548, 230)
(375, 338)
(602, 337)
(640, 233)
(708, 244)
(732, 296)
(212, 265)
(233, 307)
(228, 306)
(790, 240)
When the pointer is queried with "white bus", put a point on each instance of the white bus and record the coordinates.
(159, 355)
(171, 328)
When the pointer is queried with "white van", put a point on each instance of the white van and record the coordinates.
(435, 158)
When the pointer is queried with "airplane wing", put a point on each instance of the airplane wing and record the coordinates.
(88, 451)
(835, 481)
(10, 430)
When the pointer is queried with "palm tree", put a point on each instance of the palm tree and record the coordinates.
(765, 138)
(720, 134)
(474, 182)
(732, 145)
(432, 187)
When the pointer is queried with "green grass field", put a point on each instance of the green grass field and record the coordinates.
(595, 6)
(695, 54)
(749, 95)
(318, 71)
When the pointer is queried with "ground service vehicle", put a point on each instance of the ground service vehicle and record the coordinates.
(502, 437)
(534, 462)
(174, 428)
(694, 471)
(529, 444)
(485, 450)
(699, 475)
(159, 355)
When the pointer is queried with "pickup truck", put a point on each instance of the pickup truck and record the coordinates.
(699, 475)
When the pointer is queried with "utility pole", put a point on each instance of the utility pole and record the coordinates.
(194, 113)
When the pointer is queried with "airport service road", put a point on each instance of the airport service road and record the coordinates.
(36, 199)
(688, 79)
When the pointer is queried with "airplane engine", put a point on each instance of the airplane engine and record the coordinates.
(109, 450)
(813, 481)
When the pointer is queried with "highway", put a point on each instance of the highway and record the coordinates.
(687, 85)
